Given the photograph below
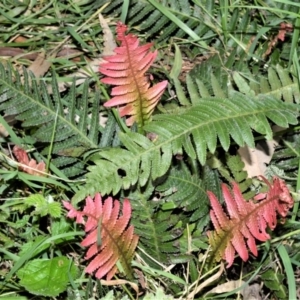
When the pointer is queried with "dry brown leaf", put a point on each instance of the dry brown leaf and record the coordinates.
(108, 37)
(93, 65)
(206, 283)
(226, 287)
(256, 159)
(249, 292)
(40, 65)
(120, 282)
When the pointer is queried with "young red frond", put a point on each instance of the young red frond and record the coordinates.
(127, 71)
(246, 221)
(73, 213)
(29, 166)
(109, 237)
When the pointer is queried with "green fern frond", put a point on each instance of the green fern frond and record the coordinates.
(117, 168)
(199, 127)
(279, 83)
(186, 191)
(155, 23)
(195, 131)
(210, 80)
(286, 157)
(44, 113)
(156, 229)
(232, 171)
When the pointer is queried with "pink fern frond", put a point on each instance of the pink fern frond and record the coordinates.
(246, 221)
(109, 237)
(126, 70)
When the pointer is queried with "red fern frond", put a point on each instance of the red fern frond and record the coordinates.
(109, 237)
(126, 70)
(29, 166)
(246, 220)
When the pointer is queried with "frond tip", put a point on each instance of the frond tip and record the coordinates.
(109, 237)
(126, 70)
(246, 220)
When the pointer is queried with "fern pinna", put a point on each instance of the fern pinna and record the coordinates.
(109, 236)
(126, 70)
(246, 220)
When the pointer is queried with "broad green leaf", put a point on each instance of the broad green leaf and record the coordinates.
(47, 277)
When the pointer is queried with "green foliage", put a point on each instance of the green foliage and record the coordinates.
(274, 281)
(216, 81)
(279, 83)
(44, 206)
(150, 19)
(230, 80)
(194, 132)
(188, 19)
(47, 277)
(232, 171)
(51, 116)
(155, 227)
(186, 191)
(286, 157)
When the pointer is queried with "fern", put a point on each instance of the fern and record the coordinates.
(186, 191)
(195, 131)
(215, 81)
(247, 220)
(156, 228)
(221, 118)
(232, 171)
(109, 237)
(200, 20)
(38, 111)
(279, 83)
(126, 69)
(286, 157)
(154, 20)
